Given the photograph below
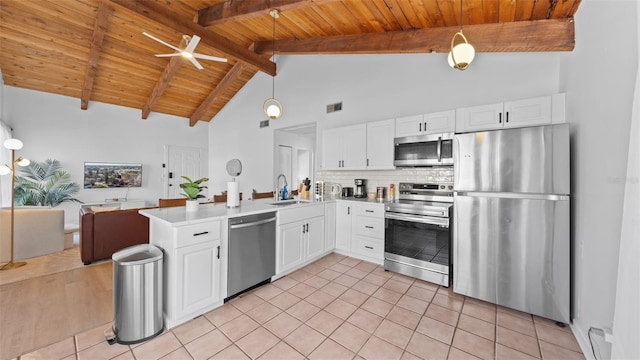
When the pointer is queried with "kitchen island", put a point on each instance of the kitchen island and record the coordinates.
(195, 246)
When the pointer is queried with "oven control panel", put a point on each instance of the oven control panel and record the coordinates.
(422, 188)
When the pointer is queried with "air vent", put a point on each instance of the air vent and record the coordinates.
(264, 123)
(334, 107)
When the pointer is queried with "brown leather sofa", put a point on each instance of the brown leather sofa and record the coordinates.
(103, 233)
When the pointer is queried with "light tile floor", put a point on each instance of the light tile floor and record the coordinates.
(342, 308)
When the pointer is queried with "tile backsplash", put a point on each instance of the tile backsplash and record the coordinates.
(377, 178)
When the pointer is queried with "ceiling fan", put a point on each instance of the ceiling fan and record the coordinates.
(187, 52)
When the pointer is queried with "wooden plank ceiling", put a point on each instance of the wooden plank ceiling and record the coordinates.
(94, 50)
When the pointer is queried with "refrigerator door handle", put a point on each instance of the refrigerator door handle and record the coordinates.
(501, 195)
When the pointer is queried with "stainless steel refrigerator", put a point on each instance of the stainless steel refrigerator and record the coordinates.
(511, 243)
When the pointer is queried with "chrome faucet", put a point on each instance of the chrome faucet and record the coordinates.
(277, 192)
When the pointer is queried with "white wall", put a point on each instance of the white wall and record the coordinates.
(598, 77)
(371, 87)
(54, 127)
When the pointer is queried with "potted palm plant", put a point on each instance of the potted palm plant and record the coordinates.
(44, 184)
(192, 191)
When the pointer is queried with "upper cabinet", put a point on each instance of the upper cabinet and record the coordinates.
(527, 112)
(359, 147)
(345, 148)
(380, 145)
(440, 122)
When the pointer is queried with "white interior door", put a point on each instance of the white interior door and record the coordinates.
(181, 161)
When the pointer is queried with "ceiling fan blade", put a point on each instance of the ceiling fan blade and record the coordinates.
(196, 63)
(160, 41)
(167, 55)
(195, 39)
(207, 57)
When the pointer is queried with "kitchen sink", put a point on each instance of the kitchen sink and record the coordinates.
(288, 202)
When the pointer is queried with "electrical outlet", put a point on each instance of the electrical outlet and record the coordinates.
(608, 335)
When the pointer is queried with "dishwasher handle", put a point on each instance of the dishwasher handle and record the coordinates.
(254, 223)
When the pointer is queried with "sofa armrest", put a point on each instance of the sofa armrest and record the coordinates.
(86, 235)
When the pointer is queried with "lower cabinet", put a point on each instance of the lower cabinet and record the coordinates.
(343, 225)
(300, 236)
(199, 273)
(192, 268)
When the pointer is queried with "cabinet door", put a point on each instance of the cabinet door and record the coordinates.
(484, 117)
(409, 125)
(380, 145)
(440, 122)
(343, 225)
(528, 112)
(291, 246)
(329, 226)
(198, 277)
(314, 237)
(331, 149)
(354, 141)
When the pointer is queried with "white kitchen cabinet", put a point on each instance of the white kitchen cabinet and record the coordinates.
(344, 148)
(519, 113)
(301, 236)
(330, 226)
(314, 237)
(199, 273)
(380, 145)
(192, 268)
(423, 124)
(343, 225)
(368, 231)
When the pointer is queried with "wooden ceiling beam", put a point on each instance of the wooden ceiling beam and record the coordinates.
(233, 75)
(237, 10)
(160, 14)
(100, 27)
(520, 36)
(163, 82)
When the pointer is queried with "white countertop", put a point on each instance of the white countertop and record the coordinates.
(178, 216)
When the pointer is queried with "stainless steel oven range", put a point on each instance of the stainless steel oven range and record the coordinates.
(417, 239)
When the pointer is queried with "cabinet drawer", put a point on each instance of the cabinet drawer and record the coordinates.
(375, 210)
(198, 233)
(300, 213)
(369, 226)
(370, 247)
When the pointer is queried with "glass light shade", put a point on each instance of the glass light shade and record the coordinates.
(272, 108)
(4, 169)
(13, 144)
(186, 54)
(23, 162)
(462, 54)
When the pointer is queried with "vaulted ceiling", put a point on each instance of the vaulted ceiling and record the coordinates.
(95, 50)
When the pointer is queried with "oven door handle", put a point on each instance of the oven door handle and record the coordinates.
(444, 222)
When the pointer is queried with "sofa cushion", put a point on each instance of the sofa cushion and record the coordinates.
(38, 230)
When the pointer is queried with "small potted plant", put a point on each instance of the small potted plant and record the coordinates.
(192, 191)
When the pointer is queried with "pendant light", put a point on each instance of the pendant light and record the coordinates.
(272, 107)
(462, 54)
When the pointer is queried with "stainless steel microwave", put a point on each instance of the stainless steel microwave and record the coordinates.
(423, 150)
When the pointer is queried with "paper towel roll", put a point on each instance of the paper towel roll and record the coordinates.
(233, 194)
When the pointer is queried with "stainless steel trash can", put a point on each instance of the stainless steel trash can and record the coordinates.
(137, 293)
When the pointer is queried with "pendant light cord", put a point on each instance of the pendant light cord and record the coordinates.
(460, 15)
(273, 54)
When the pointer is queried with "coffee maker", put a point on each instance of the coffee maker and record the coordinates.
(361, 188)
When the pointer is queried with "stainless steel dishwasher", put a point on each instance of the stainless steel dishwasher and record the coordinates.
(252, 252)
